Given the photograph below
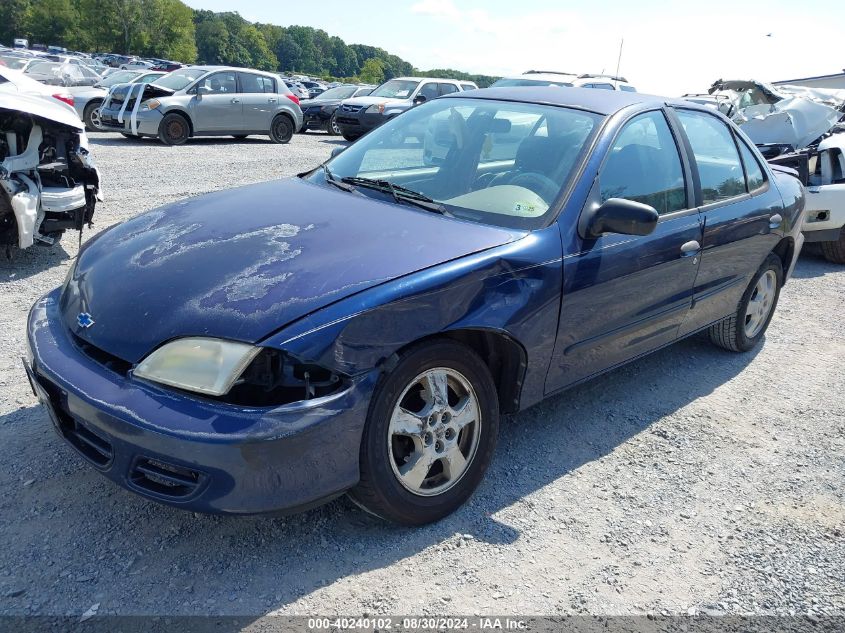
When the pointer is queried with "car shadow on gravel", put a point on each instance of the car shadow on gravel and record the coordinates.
(21, 264)
(88, 541)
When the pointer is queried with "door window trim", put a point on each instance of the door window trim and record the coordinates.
(765, 186)
(691, 208)
(699, 196)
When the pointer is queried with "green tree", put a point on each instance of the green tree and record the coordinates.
(54, 22)
(14, 19)
(168, 30)
(373, 71)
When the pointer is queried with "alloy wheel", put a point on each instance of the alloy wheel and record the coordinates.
(760, 304)
(433, 431)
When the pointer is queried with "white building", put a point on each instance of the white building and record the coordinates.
(822, 81)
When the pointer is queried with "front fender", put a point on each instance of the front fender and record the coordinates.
(512, 289)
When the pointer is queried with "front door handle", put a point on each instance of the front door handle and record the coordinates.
(271, 101)
(236, 100)
(775, 221)
(690, 248)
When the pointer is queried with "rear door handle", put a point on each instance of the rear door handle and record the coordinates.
(690, 248)
(775, 221)
(236, 100)
(271, 101)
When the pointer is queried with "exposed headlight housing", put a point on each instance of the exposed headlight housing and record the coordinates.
(376, 108)
(328, 109)
(206, 365)
(151, 104)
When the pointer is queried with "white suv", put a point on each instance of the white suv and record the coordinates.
(552, 78)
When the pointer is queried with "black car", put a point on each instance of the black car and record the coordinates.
(319, 113)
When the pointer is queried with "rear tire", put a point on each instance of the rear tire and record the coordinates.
(834, 251)
(240, 137)
(742, 331)
(281, 129)
(351, 137)
(174, 129)
(438, 409)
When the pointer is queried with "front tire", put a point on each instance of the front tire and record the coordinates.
(351, 137)
(281, 129)
(240, 137)
(430, 434)
(174, 129)
(745, 329)
(91, 116)
(332, 127)
(834, 251)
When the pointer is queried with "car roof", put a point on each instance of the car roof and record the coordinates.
(599, 101)
(454, 81)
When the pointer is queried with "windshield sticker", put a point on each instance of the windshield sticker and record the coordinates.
(525, 208)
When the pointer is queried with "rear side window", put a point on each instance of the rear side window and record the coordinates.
(644, 165)
(256, 83)
(753, 172)
(719, 167)
(466, 87)
(446, 89)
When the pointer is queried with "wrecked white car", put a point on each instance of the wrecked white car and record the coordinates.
(801, 128)
(48, 182)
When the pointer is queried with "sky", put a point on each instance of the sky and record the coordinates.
(670, 48)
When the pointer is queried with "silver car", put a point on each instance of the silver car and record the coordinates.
(204, 101)
(87, 101)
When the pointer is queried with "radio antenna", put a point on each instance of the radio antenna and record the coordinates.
(618, 64)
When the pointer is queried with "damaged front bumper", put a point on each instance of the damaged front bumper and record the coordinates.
(48, 181)
(188, 451)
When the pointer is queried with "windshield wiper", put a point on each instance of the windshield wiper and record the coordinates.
(329, 177)
(399, 193)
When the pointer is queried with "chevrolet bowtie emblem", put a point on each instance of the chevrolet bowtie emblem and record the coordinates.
(84, 320)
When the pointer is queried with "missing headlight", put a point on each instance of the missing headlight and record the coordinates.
(274, 379)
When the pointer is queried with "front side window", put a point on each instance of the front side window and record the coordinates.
(396, 89)
(466, 87)
(219, 83)
(429, 91)
(446, 89)
(644, 166)
(492, 162)
(719, 167)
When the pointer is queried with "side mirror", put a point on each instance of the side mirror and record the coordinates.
(337, 150)
(420, 99)
(202, 90)
(618, 215)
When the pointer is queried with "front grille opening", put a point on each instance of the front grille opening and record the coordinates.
(164, 479)
(93, 446)
(109, 361)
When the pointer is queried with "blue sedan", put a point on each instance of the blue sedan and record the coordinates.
(361, 328)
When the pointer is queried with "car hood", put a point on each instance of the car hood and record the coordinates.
(368, 101)
(240, 264)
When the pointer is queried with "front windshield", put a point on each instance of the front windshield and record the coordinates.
(44, 68)
(341, 92)
(513, 83)
(395, 89)
(179, 79)
(494, 162)
(120, 77)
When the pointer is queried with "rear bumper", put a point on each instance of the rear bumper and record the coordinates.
(189, 452)
(824, 214)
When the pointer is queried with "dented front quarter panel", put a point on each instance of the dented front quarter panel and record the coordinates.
(512, 290)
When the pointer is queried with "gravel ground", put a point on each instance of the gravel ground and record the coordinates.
(693, 481)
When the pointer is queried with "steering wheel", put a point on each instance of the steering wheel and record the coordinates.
(539, 183)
